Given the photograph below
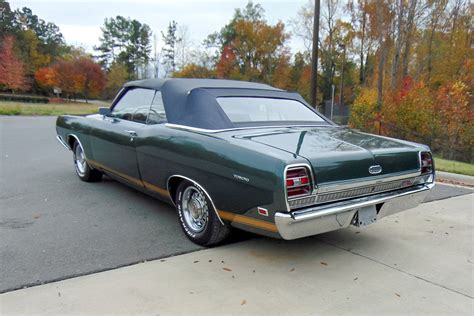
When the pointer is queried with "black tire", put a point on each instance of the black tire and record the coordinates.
(83, 170)
(212, 232)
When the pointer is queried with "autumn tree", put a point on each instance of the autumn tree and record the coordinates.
(249, 48)
(76, 76)
(91, 77)
(12, 73)
(194, 71)
(116, 77)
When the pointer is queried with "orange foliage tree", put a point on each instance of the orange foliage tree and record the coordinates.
(194, 71)
(12, 73)
(77, 76)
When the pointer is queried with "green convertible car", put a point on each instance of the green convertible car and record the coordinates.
(245, 155)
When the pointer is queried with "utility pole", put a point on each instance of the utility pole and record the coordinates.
(342, 75)
(155, 60)
(332, 101)
(314, 55)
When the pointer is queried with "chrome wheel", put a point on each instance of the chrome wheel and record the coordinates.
(80, 160)
(195, 209)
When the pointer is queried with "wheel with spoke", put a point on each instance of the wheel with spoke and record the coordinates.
(198, 217)
(83, 170)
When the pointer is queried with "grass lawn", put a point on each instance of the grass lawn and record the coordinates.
(454, 166)
(20, 108)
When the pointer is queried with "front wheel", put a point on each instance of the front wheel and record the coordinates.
(83, 170)
(197, 216)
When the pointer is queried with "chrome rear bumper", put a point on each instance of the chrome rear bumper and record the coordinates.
(320, 219)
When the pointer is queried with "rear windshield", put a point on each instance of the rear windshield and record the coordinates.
(260, 110)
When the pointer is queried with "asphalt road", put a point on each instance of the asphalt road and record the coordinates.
(54, 226)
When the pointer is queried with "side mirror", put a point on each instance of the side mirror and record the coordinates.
(104, 111)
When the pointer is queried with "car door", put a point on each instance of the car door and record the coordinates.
(151, 147)
(114, 136)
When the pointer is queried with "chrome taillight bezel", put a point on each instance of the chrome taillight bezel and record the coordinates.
(426, 168)
(309, 174)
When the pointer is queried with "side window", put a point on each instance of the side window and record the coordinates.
(134, 105)
(157, 113)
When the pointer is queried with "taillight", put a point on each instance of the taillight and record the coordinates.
(298, 182)
(426, 163)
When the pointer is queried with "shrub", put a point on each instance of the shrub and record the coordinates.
(23, 98)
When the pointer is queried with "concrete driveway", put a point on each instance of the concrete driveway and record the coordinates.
(54, 226)
(416, 262)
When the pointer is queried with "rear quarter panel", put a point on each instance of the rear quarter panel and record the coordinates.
(221, 166)
(68, 126)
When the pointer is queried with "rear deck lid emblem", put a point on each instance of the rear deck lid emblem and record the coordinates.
(375, 169)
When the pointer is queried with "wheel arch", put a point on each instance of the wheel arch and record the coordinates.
(173, 183)
(71, 138)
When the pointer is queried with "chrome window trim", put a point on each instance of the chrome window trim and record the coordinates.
(196, 184)
(204, 130)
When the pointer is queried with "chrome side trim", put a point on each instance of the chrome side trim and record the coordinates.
(334, 216)
(196, 184)
(61, 141)
(204, 130)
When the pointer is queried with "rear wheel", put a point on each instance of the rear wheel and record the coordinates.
(83, 170)
(197, 216)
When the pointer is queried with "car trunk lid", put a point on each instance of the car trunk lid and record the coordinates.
(338, 154)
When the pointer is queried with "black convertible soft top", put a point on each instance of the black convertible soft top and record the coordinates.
(192, 102)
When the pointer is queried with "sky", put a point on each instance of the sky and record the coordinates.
(80, 20)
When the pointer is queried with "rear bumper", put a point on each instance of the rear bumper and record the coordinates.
(320, 219)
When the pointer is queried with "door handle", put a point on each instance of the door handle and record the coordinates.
(132, 133)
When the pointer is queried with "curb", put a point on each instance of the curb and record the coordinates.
(459, 178)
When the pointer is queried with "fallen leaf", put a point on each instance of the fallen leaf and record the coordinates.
(243, 302)
(226, 269)
(323, 263)
(196, 261)
(355, 279)
(397, 294)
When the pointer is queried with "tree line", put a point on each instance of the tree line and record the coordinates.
(403, 66)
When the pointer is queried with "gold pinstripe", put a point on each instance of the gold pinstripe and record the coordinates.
(241, 219)
(248, 221)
